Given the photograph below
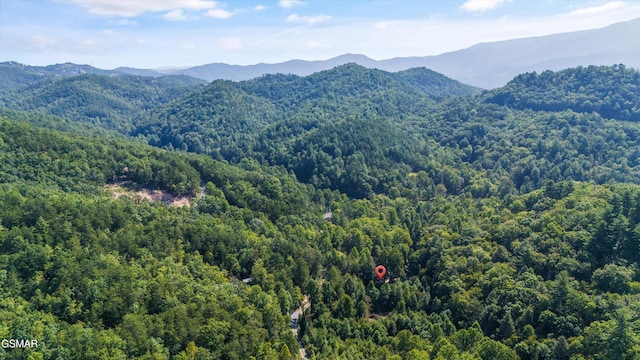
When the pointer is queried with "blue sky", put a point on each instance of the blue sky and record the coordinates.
(158, 33)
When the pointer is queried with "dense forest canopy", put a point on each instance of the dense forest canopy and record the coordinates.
(508, 221)
(611, 91)
(108, 101)
(15, 74)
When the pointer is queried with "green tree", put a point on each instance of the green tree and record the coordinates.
(621, 341)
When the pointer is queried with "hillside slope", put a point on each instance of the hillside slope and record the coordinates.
(361, 131)
(91, 276)
(612, 92)
(348, 115)
(108, 101)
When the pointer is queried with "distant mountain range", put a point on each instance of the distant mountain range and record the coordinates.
(485, 65)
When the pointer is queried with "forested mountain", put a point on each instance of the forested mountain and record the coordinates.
(329, 127)
(611, 91)
(508, 221)
(360, 130)
(220, 71)
(108, 101)
(15, 74)
(433, 83)
(44, 157)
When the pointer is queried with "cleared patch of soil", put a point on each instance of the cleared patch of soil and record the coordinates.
(144, 194)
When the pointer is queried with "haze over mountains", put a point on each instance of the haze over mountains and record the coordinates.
(486, 65)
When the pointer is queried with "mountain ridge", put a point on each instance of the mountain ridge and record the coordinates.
(485, 65)
(475, 65)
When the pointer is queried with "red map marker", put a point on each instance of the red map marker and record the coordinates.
(381, 271)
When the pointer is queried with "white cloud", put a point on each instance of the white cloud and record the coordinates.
(287, 4)
(295, 18)
(219, 14)
(259, 8)
(175, 15)
(40, 42)
(130, 8)
(481, 5)
(594, 10)
(124, 22)
(175, 10)
(110, 32)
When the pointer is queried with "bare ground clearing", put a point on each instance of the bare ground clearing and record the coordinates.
(139, 194)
